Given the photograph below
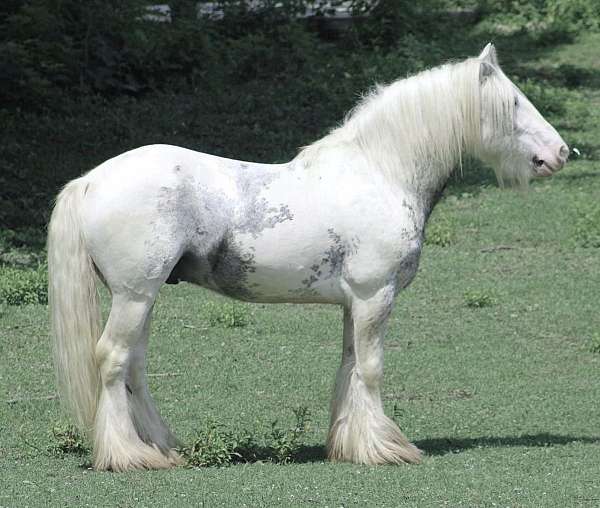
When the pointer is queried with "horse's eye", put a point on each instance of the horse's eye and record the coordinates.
(516, 101)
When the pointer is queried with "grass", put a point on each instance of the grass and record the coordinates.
(503, 399)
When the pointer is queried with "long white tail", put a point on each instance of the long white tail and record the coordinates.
(74, 307)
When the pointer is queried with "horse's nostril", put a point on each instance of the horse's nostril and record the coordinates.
(564, 151)
(538, 162)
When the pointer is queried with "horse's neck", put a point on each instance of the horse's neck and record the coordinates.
(414, 132)
(424, 182)
(418, 158)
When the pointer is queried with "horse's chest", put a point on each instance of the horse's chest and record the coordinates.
(410, 243)
(409, 263)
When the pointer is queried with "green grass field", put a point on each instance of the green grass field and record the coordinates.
(502, 398)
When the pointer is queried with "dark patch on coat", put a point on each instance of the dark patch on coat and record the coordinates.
(201, 222)
(334, 256)
(230, 268)
(332, 262)
(432, 199)
(256, 213)
(407, 270)
(415, 230)
(206, 223)
(258, 216)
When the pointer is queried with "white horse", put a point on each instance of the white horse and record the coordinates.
(342, 224)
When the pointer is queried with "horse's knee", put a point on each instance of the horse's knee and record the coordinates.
(117, 360)
(112, 361)
(371, 371)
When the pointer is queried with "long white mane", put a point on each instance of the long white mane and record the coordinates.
(416, 130)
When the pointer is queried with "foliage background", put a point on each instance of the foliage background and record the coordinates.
(84, 81)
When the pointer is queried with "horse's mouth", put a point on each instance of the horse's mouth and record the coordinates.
(546, 170)
(543, 171)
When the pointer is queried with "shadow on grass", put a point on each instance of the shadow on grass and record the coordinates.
(307, 454)
(304, 455)
(442, 446)
(432, 447)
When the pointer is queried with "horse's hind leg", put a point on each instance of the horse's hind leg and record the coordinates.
(150, 427)
(360, 432)
(117, 444)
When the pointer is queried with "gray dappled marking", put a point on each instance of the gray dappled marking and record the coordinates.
(209, 223)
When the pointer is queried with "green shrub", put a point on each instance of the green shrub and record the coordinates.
(439, 232)
(67, 440)
(549, 100)
(388, 22)
(216, 446)
(478, 299)
(228, 314)
(107, 46)
(23, 286)
(46, 46)
(548, 21)
(22, 248)
(285, 444)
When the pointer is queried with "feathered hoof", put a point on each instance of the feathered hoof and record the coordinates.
(382, 442)
(148, 457)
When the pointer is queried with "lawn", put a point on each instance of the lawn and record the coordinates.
(490, 366)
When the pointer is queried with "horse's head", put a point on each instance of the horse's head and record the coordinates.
(516, 139)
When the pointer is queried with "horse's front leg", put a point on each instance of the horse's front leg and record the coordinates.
(359, 431)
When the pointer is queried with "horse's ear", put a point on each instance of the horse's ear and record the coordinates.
(485, 71)
(489, 54)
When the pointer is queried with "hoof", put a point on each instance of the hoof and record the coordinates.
(382, 442)
(146, 458)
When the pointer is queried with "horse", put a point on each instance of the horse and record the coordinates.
(342, 223)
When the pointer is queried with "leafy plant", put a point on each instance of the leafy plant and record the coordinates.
(478, 299)
(439, 232)
(285, 443)
(21, 248)
(217, 446)
(550, 100)
(23, 286)
(67, 440)
(548, 21)
(228, 314)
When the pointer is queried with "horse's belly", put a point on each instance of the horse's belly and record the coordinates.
(307, 284)
(251, 270)
(279, 277)
(297, 261)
